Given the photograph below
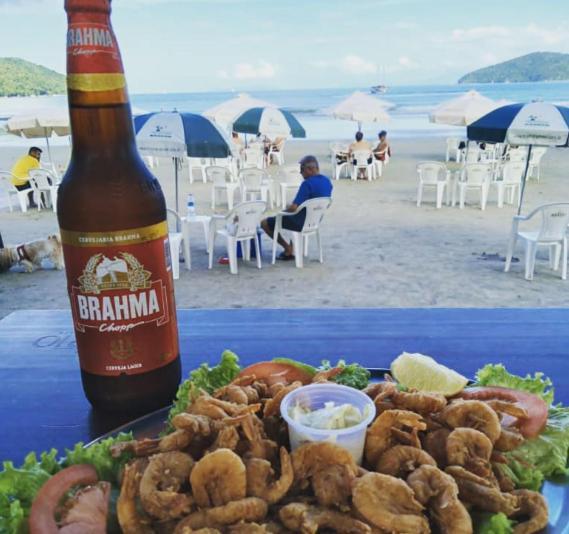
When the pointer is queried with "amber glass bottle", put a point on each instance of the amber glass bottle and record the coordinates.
(112, 217)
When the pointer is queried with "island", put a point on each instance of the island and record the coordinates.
(19, 77)
(534, 67)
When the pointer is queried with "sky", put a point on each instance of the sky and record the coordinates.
(220, 45)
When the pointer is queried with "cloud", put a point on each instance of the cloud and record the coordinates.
(249, 71)
(353, 64)
(406, 62)
(479, 33)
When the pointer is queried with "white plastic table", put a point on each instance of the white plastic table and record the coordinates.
(196, 219)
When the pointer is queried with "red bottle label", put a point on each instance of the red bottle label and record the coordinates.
(122, 299)
(93, 58)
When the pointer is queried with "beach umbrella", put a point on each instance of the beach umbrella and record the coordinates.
(177, 135)
(225, 113)
(270, 121)
(463, 110)
(360, 107)
(533, 124)
(41, 123)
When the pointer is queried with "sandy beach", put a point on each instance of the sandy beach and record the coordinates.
(380, 249)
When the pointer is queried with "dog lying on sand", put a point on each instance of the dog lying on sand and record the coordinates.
(30, 255)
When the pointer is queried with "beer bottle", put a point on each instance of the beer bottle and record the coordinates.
(112, 216)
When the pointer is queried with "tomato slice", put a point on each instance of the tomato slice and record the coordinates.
(42, 520)
(275, 372)
(536, 408)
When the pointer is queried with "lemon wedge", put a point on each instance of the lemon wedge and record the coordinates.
(423, 373)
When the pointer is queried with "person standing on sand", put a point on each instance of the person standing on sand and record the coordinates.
(314, 185)
(22, 167)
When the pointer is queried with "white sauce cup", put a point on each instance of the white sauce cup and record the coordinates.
(313, 397)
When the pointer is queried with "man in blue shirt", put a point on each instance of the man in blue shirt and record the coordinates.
(314, 185)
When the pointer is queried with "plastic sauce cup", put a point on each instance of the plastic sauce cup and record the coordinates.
(314, 397)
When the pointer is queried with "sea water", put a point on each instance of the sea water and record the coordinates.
(409, 116)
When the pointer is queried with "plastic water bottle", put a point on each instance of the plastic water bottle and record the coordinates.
(191, 206)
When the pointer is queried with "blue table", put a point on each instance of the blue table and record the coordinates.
(42, 403)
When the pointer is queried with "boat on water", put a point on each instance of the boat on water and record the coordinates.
(378, 89)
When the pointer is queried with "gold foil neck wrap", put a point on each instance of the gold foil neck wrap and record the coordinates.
(131, 236)
(96, 81)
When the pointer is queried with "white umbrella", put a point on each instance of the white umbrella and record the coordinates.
(226, 112)
(40, 123)
(360, 107)
(463, 110)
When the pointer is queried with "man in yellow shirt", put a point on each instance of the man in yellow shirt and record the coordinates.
(22, 167)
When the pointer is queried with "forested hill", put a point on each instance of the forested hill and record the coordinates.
(22, 78)
(535, 67)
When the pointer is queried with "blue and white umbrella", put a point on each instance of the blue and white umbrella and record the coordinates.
(533, 124)
(269, 121)
(177, 135)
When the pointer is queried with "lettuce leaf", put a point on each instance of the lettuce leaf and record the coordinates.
(352, 375)
(99, 456)
(498, 375)
(487, 523)
(521, 474)
(206, 378)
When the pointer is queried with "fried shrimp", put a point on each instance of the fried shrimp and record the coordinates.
(401, 460)
(533, 506)
(312, 457)
(325, 376)
(472, 414)
(177, 440)
(423, 403)
(510, 439)
(130, 520)
(470, 449)
(482, 493)
(435, 443)
(218, 478)
(439, 493)
(214, 408)
(392, 427)
(388, 503)
(261, 481)
(248, 509)
(273, 405)
(160, 483)
(307, 519)
(333, 486)
(507, 408)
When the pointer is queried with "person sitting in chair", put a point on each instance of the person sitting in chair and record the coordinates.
(360, 145)
(383, 148)
(22, 167)
(314, 185)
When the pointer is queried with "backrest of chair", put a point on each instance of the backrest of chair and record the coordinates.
(452, 143)
(517, 154)
(253, 156)
(361, 157)
(251, 178)
(477, 173)
(246, 217)
(40, 178)
(513, 172)
(536, 154)
(472, 154)
(218, 175)
(431, 172)
(291, 174)
(555, 218)
(174, 220)
(315, 211)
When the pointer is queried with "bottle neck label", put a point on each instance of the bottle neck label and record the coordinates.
(93, 58)
(122, 299)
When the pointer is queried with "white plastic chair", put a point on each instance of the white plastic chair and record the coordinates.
(276, 151)
(511, 182)
(315, 211)
(254, 184)
(177, 243)
(339, 166)
(221, 183)
(471, 154)
(517, 154)
(230, 163)
(44, 191)
(475, 176)
(291, 179)
(22, 196)
(239, 225)
(253, 158)
(199, 164)
(452, 147)
(535, 161)
(552, 233)
(433, 174)
(361, 158)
